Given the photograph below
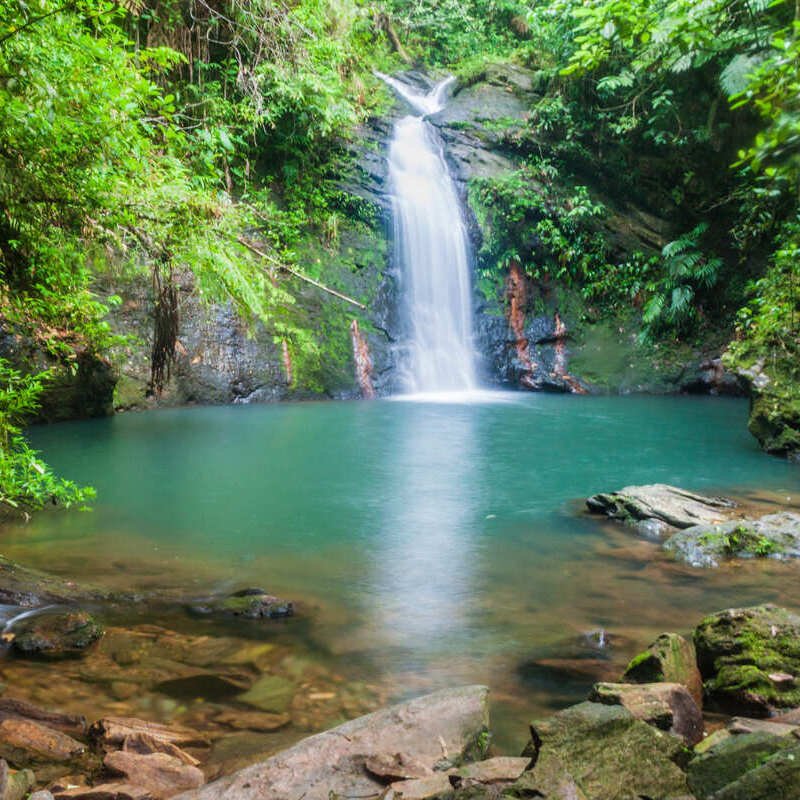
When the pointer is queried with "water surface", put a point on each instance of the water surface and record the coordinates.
(428, 544)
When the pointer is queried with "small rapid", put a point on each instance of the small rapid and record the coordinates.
(432, 251)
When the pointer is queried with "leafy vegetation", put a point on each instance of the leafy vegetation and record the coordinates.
(26, 482)
(169, 138)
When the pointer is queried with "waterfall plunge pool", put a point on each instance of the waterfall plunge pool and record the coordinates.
(427, 544)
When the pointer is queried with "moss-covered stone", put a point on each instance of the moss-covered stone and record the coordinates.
(750, 658)
(771, 536)
(731, 758)
(670, 658)
(609, 754)
(777, 778)
(56, 635)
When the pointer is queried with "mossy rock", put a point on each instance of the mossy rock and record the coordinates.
(773, 536)
(56, 635)
(750, 659)
(775, 421)
(777, 778)
(670, 659)
(729, 759)
(609, 754)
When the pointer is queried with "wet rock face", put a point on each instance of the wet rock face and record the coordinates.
(468, 123)
(56, 634)
(750, 659)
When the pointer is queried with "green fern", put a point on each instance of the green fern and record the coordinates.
(673, 304)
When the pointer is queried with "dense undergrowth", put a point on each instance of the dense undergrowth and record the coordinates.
(159, 136)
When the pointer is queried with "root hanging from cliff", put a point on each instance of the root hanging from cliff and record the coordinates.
(165, 327)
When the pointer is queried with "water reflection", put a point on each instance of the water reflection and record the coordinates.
(425, 558)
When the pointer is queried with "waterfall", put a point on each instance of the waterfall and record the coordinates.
(432, 251)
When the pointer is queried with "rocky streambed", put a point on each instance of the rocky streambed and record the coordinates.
(645, 735)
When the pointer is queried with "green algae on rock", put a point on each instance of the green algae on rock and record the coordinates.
(750, 658)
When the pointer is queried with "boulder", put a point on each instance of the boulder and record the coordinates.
(56, 634)
(773, 536)
(750, 659)
(431, 730)
(670, 658)
(161, 774)
(667, 706)
(658, 507)
(608, 753)
(731, 758)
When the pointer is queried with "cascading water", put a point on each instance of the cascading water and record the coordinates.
(431, 245)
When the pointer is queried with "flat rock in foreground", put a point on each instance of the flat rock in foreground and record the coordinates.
(656, 507)
(429, 730)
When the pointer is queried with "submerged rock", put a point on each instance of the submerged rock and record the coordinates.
(29, 588)
(26, 743)
(660, 507)
(672, 659)
(56, 634)
(772, 536)
(248, 603)
(429, 729)
(607, 753)
(750, 659)
(271, 693)
(667, 706)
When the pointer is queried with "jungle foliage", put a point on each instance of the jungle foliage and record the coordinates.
(158, 136)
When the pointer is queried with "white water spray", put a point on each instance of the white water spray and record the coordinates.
(431, 244)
